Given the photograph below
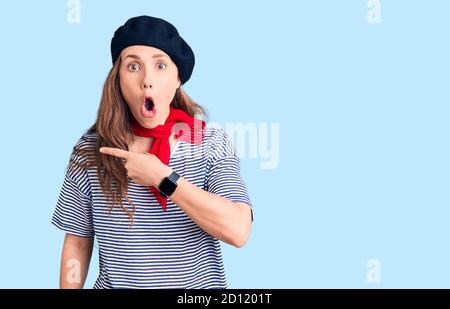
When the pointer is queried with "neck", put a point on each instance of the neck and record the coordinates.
(162, 120)
(143, 144)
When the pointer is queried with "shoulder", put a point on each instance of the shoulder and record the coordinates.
(87, 140)
(83, 153)
(217, 143)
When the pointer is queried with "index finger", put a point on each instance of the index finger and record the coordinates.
(116, 152)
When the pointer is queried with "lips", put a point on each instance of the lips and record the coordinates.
(148, 109)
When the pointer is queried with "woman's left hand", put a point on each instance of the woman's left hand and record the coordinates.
(143, 168)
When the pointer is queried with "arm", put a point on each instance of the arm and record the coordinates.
(75, 259)
(220, 217)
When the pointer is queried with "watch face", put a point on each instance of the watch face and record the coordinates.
(168, 185)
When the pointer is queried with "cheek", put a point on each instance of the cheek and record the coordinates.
(127, 84)
(168, 85)
(168, 91)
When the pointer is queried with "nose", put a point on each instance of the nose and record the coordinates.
(146, 82)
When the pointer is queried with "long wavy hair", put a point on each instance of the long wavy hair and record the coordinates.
(112, 128)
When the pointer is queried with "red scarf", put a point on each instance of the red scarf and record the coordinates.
(161, 134)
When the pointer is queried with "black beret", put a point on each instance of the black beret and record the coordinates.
(155, 32)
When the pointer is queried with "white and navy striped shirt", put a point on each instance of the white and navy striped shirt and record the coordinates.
(162, 249)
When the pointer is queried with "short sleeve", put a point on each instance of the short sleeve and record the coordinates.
(223, 171)
(73, 212)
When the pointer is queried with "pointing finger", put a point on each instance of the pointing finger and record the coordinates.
(116, 152)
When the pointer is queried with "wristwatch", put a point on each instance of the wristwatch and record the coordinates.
(168, 185)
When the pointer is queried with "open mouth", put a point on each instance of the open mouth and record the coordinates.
(149, 104)
(148, 108)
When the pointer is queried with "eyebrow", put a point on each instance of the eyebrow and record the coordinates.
(139, 58)
(159, 56)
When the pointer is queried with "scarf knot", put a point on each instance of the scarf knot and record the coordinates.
(185, 127)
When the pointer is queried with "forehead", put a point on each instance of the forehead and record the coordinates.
(143, 51)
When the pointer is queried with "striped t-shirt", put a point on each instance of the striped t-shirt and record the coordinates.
(161, 249)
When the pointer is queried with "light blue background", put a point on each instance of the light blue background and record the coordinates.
(363, 112)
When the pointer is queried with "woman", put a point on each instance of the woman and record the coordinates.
(155, 186)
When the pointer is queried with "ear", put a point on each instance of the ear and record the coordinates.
(179, 82)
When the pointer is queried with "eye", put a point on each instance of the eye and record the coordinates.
(161, 65)
(133, 67)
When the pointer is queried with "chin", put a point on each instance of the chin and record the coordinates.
(147, 123)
